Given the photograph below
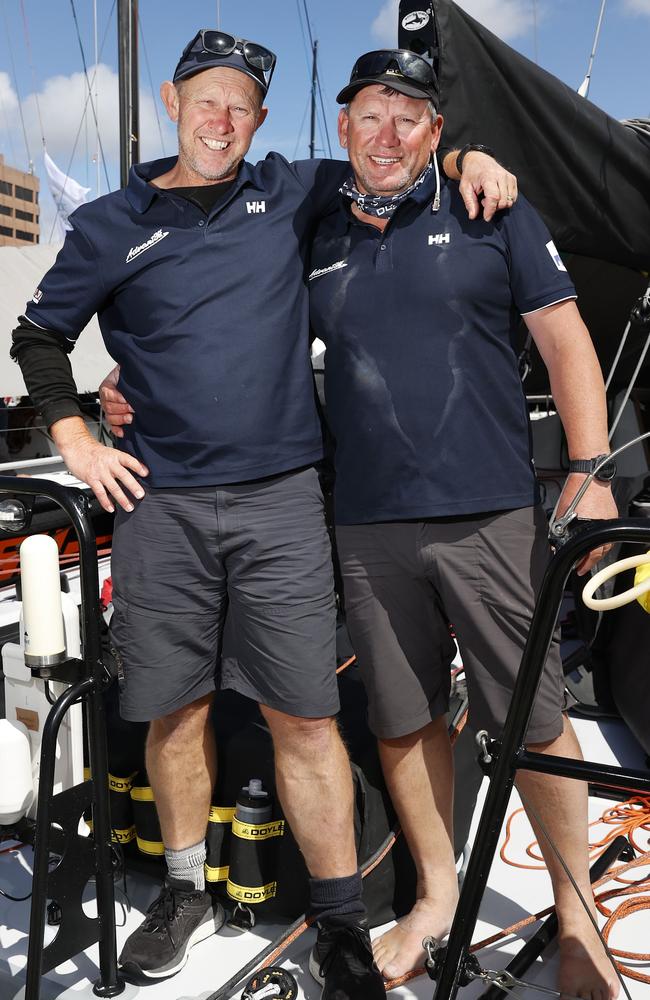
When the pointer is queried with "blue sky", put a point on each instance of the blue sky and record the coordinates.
(48, 66)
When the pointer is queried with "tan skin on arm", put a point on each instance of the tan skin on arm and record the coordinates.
(579, 393)
(107, 471)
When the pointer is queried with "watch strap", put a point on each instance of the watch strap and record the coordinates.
(605, 463)
(472, 147)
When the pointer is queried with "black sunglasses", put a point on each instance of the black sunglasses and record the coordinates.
(410, 65)
(220, 43)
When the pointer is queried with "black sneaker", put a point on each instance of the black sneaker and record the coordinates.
(178, 919)
(341, 960)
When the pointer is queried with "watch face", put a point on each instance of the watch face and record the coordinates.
(607, 471)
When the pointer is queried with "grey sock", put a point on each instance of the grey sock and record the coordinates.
(188, 864)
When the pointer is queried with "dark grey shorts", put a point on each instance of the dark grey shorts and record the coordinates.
(404, 581)
(258, 554)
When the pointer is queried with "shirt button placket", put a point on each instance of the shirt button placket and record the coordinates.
(384, 256)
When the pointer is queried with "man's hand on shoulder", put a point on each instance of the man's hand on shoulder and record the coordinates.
(118, 412)
(107, 471)
(597, 504)
(484, 183)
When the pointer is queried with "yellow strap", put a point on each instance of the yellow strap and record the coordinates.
(151, 846)
(216, 874)
(257, 831)
(221, 814)
(123, 836)
(121, 784)
(251, 894)
(142, 793)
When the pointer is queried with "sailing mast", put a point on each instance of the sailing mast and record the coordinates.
(127, 43)
(314, 84)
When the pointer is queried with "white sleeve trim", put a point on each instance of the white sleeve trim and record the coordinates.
(23, 317)
(565, 298)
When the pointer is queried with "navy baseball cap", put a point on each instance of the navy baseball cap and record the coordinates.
(211, 47)
(399, 69)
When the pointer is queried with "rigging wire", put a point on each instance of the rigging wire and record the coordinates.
(322, 107)
(88, 85)
(304, 13)
(20, 103)
(304, 37)
(83, 115)
(583, 89)
(302, 125)
(153, 93)
(30, 59)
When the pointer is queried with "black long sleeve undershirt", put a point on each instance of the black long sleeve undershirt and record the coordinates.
(44, 362)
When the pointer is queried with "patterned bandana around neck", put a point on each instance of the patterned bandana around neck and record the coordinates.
(381, 206)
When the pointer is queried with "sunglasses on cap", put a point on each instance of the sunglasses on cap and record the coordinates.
(220, 43)
(410, 65)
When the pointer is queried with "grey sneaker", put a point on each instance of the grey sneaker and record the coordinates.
(177, 920)
(341, 961)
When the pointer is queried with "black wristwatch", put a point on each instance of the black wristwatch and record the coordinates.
(587, 465)
(472, 147)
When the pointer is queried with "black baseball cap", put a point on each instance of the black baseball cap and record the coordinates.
(399, 69)
(211, 47)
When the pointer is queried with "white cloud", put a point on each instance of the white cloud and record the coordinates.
(8, 99)
(637, 6)
(68, 135)
(384, 27)
(506, 18)
(62, 101)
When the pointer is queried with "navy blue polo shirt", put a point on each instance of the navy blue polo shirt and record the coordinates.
(207, 316)
(422, 388)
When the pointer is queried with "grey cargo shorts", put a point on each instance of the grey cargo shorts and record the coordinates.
(405, 581)
(257, 554)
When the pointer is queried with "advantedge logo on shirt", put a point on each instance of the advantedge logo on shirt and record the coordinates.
(151, 242)
(319, 271)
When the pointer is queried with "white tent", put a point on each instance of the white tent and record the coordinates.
(21, 269)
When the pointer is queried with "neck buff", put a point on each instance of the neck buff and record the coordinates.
(381, 206)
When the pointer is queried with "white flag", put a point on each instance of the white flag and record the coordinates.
(66, 193)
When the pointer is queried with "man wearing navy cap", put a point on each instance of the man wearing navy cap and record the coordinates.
(437, 508)
(196, 272)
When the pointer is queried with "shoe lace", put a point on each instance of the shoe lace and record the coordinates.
(162, 912)
(350, 937)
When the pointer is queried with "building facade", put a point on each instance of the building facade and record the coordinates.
(19, 208)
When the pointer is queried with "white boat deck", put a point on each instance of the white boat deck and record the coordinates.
(511, 895)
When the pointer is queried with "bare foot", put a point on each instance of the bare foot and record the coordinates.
(399, 950)
(585, 970)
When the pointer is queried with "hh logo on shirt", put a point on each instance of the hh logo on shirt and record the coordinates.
(439, 239)
(253, 207)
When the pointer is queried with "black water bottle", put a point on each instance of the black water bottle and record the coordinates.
(251, 879)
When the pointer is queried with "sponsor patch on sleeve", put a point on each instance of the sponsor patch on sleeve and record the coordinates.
(37, 296)
(557, 260)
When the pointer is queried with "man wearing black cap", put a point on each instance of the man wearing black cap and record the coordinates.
(437, 508)
(196, 271)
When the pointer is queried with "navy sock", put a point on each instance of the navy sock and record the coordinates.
(336, 900)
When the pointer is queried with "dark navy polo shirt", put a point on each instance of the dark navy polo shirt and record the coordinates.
(422, 388)
(207, 316)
